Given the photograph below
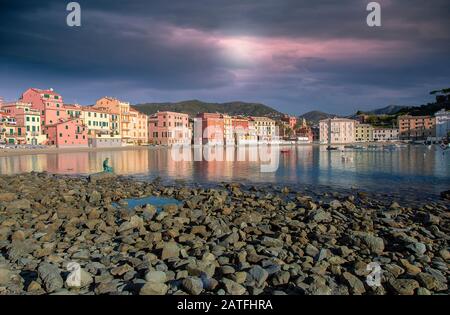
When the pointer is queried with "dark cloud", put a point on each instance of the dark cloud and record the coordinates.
(176, 49)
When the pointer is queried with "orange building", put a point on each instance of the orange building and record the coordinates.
(416, 127)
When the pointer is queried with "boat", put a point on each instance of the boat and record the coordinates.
(330, 148)
(285, 151)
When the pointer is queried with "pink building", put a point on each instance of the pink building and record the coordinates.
(48, 102)
(69, 133)
(168, 128)
(212, 128)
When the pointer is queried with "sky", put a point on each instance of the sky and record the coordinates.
(293, 55)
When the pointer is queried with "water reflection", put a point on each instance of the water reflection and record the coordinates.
(414, 166)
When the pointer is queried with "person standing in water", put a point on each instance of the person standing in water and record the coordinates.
(106, 167)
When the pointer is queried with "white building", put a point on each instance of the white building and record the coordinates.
(385, 134)
(265, 128)
(442, 123)
(337, 131)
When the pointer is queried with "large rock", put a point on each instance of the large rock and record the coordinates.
(404, 286)
(258, 274)
(100, 176)
(193, 285)
(375, 244)
(170, 250)
(156, 276)
(50, 276)
(356, 285)
(233, 288)
(154, 288)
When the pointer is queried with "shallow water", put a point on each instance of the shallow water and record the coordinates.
(157, 202)
(415, 169)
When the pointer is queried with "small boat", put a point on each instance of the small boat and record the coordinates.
(330, 148)
(285, 151)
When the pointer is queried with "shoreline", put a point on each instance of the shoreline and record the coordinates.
(233, 240)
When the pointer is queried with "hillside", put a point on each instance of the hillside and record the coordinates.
(194, 107)
(388, 110)
(316, 116)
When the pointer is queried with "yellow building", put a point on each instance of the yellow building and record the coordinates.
(96, 121)
(363, 133)
(139, 123)
(265, 128)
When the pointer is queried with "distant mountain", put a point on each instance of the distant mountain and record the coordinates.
(388, 110)
(193, 107)
(315, 116)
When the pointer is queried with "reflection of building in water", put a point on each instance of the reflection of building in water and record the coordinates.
(23, 164)
(127, 162)
(68, 163)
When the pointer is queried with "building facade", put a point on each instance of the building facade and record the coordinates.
(28, 121)
(265, 128)
(169, 128)
(337, 131)
(47, 102)
(67, 133)
(363, 133)
(442, 124)
(209, 129)
(416, 127)
(244, 132)
(385, 134)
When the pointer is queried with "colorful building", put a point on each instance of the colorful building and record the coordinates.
(67, 133)
(130, 124)
(337, 131)
(363, 132)
(210, 128)
(385, 134)
(10, 133)
(305, 135)
(244, 131)
(265, 128)
(169, 128)
(416, 127)
(27, 121)
(139, 127)
(47, 102)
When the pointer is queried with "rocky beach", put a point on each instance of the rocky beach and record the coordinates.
(230, 239)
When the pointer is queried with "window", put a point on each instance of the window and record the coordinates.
(28, 118)
(57, 113)
(60, 135)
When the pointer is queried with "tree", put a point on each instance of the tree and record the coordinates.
(443, 91)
